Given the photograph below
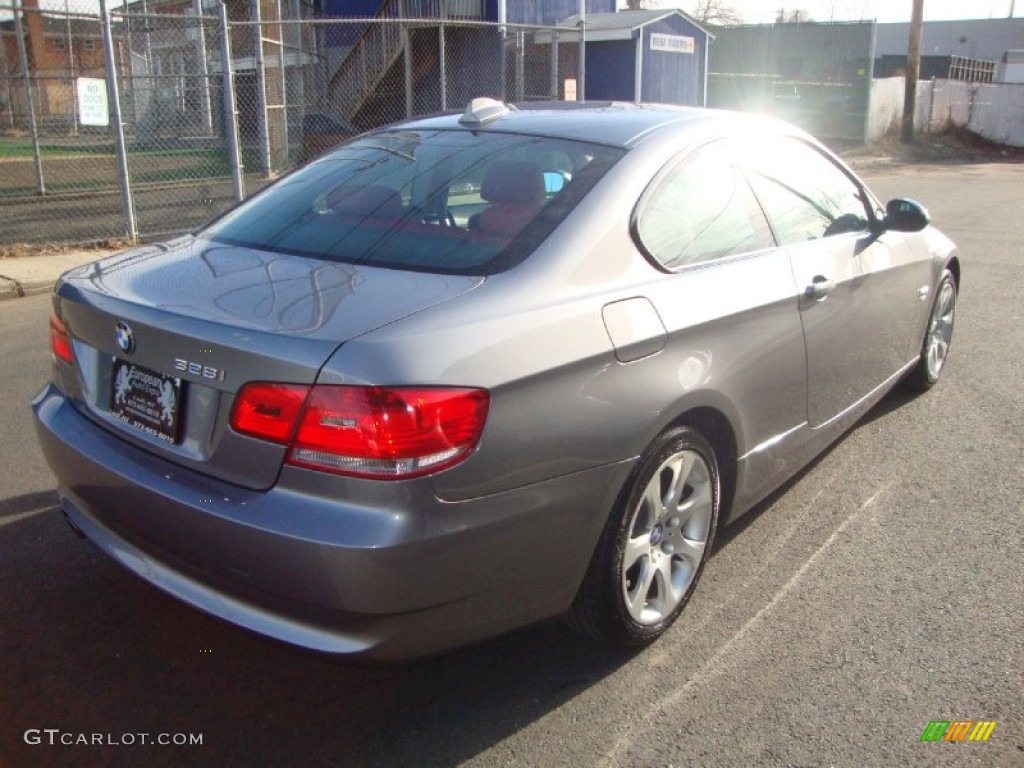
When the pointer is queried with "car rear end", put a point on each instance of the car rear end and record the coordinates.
(202, 437)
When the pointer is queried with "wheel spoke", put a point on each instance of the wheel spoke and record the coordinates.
(637, 597)
(696, 510)
(653, 502)
(681, 467)
(668, 596)
(635, 549)
(692, 550)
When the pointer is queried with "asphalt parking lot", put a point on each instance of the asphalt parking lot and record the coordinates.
(881, 590)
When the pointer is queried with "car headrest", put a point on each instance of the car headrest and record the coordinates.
(512, 181)
(372, 202)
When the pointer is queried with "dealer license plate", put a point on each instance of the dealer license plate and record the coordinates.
(146, 400)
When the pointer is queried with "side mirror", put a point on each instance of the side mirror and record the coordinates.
(903, 215)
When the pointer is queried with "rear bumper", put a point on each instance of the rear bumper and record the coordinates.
(377, 569)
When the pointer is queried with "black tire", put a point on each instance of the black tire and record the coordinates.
(629, 598)
(938, 336)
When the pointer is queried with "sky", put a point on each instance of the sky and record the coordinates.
(764, 11)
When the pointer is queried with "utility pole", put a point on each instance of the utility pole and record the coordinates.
(581, 84)
(913, 72)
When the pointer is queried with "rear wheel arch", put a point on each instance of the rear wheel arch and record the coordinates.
(718, 430)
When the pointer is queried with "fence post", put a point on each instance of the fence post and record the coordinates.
(114, 94)
(261, 87)
(30, 98)
(71, 67)
(301, 68)
(869, 81)
(442, 65)
(931, 106)
(407, 56)
(282, 62)
(581, 77)
(230, 105)
(204, 72)
(520, 65)
(554, 65)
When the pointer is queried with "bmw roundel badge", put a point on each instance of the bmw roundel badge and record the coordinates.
(125, 337)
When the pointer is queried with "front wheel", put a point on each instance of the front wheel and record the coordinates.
(938, 337)
(655, 544)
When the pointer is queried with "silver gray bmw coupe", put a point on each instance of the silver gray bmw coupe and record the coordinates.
(471, 372)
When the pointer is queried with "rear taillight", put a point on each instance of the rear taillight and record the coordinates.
(380, 432)
(60, 341)
(268, 411)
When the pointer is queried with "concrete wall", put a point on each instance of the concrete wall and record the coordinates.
(994, 111)
(997, 112)
(885, 108)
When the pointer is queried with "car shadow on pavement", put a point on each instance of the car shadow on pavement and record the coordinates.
(87, 648)
(898, 398)
(26, 503)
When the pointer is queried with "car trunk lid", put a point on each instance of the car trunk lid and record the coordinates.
(165, 336)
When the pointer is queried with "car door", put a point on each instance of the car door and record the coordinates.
(727, 304)
(857, 285)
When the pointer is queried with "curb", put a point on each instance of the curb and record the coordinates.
(9, 289)
(17, 289)
(31, 275)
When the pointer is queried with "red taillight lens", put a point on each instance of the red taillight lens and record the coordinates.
(268, 411)
(60, 341)
(395, 432)
(388, 432)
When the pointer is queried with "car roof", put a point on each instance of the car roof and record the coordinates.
(621, 124)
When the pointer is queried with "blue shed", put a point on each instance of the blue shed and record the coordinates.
(653, 56)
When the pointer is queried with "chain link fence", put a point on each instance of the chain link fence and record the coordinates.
(47, 150)
(817, 75)
(213, 101)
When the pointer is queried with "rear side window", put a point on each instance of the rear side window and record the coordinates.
(805, 195)
(699, 210)
(458, 202)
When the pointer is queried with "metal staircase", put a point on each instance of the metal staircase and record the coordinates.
(381, 45)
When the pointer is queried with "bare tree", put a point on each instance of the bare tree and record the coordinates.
(715, 12)
(634, 5)
(854, 10)
(792, 17)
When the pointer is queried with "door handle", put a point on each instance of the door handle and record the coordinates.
(820, 287)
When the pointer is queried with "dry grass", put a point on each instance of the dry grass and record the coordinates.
(955, 146)
(25, 250)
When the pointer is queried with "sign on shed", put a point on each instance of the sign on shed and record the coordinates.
(672, 43)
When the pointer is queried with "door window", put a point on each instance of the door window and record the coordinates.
(805, 195)
(699, 210)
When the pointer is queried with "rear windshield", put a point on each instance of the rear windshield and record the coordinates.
(440, 201)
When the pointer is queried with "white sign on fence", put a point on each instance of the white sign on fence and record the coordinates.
(672, 43)
(93, 108)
